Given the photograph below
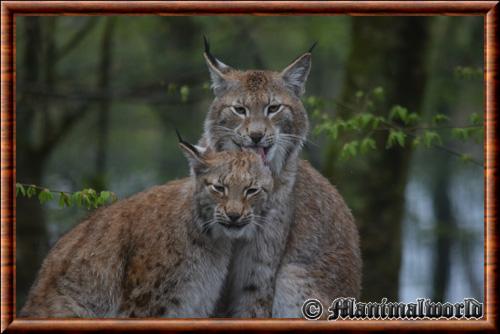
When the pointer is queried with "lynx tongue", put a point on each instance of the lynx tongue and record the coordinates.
(260, 151)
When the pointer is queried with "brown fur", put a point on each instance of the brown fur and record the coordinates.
(153, 254)
(322, 256)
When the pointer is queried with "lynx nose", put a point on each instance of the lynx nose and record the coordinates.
(256, 137)
(233, 216)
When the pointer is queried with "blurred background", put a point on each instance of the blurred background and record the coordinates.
(97, 97)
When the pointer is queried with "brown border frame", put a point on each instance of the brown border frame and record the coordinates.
(9, 10)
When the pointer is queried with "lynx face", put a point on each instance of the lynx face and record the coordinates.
(260, 110)
(232, 190)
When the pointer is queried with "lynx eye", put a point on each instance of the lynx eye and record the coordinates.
(239, 110)
(251, 191)
(216, 188)
(273, 109)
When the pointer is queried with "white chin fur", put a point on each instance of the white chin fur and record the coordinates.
(246, 232)
(276, 158)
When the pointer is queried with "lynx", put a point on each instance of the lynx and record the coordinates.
(161, 253)
(318, 254)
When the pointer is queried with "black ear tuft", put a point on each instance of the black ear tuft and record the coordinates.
(188, 146)
(312, 47)
(212, 59)
(217, 70)
(207, 46)
(178, 135)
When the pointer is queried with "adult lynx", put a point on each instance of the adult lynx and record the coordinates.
(320, 256)
(161, 253)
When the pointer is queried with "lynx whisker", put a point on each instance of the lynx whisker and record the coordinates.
(206, 225)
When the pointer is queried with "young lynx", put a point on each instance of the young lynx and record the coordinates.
(161, 253)
(319, 255)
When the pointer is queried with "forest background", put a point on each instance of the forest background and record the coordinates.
(396, 105)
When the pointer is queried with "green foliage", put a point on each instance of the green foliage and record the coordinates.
(460, 133)
(440, 118)
(88, 198)
(404, 128)
(367, 144)
(396, 137)
(184, 91)
(398, 112)
(378, 94)
(45, 196)
(475, 119)
(466, 158)
(467, 72)
(350, 149)
(431, 138)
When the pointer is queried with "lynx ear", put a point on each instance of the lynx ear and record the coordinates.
(194, 154)
(217, 69)
(295, 74)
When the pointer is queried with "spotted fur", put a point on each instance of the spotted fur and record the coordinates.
(161, 253)
(316, 253)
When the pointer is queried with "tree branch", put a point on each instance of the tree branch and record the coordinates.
(406, 132)
(76, 39)
(66, 125)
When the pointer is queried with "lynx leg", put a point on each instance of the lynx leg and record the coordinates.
(57, 307)
(293, 288)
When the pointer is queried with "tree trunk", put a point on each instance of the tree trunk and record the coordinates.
(31, 232)
(33, 115)
(99, 178)
(446, 227)
(387, 52)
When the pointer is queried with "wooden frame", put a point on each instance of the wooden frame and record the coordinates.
(10, 9)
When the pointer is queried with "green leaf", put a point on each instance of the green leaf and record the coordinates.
(378, 93)
(475, 119)
(171, 88)
(398, 112)
(359, 94)
(342, 125)
(353, 124)
(184, 91)
(376, 122)
(61, 202)
(362, 120)
(468, 72)
(62, 199)
(323, 127)
(86, 200)
(312, 101)
(412, 118)
(334, 131)
(77, 198)
(316, 113)
(349, 149)
(395, 137)
(431, 137)
(369, 105)
(367, 144)
(440, 118)
(20, 190)
(91, 193)
(105, 196)
(45, 196)
(31, 191)
(416, 141)
(466, 158)
(460, 133)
